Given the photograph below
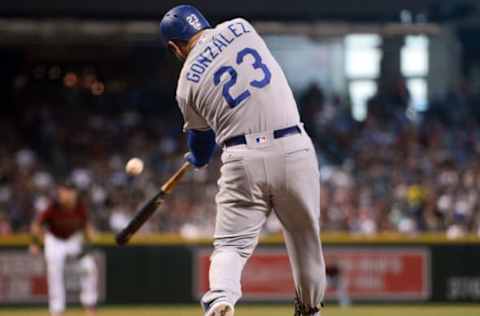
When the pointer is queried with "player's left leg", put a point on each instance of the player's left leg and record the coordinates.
(88, 282)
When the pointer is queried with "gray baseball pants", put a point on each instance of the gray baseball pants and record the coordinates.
(268, 174)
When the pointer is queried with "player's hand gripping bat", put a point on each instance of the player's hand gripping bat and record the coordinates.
(150, 207)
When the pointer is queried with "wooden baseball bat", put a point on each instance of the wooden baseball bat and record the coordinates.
(150, 207)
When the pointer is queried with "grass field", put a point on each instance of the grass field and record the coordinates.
(257, 310)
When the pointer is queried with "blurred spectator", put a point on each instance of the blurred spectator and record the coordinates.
(5, 228)
(386, 173)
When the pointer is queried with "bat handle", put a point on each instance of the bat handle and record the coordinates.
(170, 184)
(123, 237)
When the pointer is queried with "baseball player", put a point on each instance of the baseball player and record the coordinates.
(66, 223)
(231, 91)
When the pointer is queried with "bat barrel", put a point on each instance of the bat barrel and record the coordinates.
(139, 219)
(149, 208)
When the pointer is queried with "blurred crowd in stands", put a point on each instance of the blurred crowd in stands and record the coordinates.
(398, 170)
(395, 171)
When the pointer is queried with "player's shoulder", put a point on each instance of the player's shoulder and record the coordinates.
(227, 23)
(234, 20)
(48, 210)
(81, 207)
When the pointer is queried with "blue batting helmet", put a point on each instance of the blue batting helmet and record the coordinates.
(182, 22)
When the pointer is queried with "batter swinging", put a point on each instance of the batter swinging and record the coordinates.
(232, 91)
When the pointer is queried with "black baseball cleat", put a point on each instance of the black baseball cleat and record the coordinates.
(302, 310)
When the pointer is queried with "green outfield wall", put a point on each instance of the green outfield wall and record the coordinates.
(170, 269)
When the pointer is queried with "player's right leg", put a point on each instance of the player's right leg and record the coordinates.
(55, 258)
(241, 214)
(296, 203)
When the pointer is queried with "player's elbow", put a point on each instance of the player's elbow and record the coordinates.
(35, 228)
(201, 145)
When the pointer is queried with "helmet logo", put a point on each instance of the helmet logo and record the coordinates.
(192, 19)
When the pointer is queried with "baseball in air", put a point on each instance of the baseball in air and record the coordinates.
(134, 167)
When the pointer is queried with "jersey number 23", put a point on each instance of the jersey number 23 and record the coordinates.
(230, 71)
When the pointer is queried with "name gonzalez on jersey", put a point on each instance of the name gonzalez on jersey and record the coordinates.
(218, 43)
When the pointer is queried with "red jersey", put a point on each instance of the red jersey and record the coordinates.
(63, 222)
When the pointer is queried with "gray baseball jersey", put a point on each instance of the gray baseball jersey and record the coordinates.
(231, 83)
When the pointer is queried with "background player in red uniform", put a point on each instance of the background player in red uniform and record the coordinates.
(64, 228)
